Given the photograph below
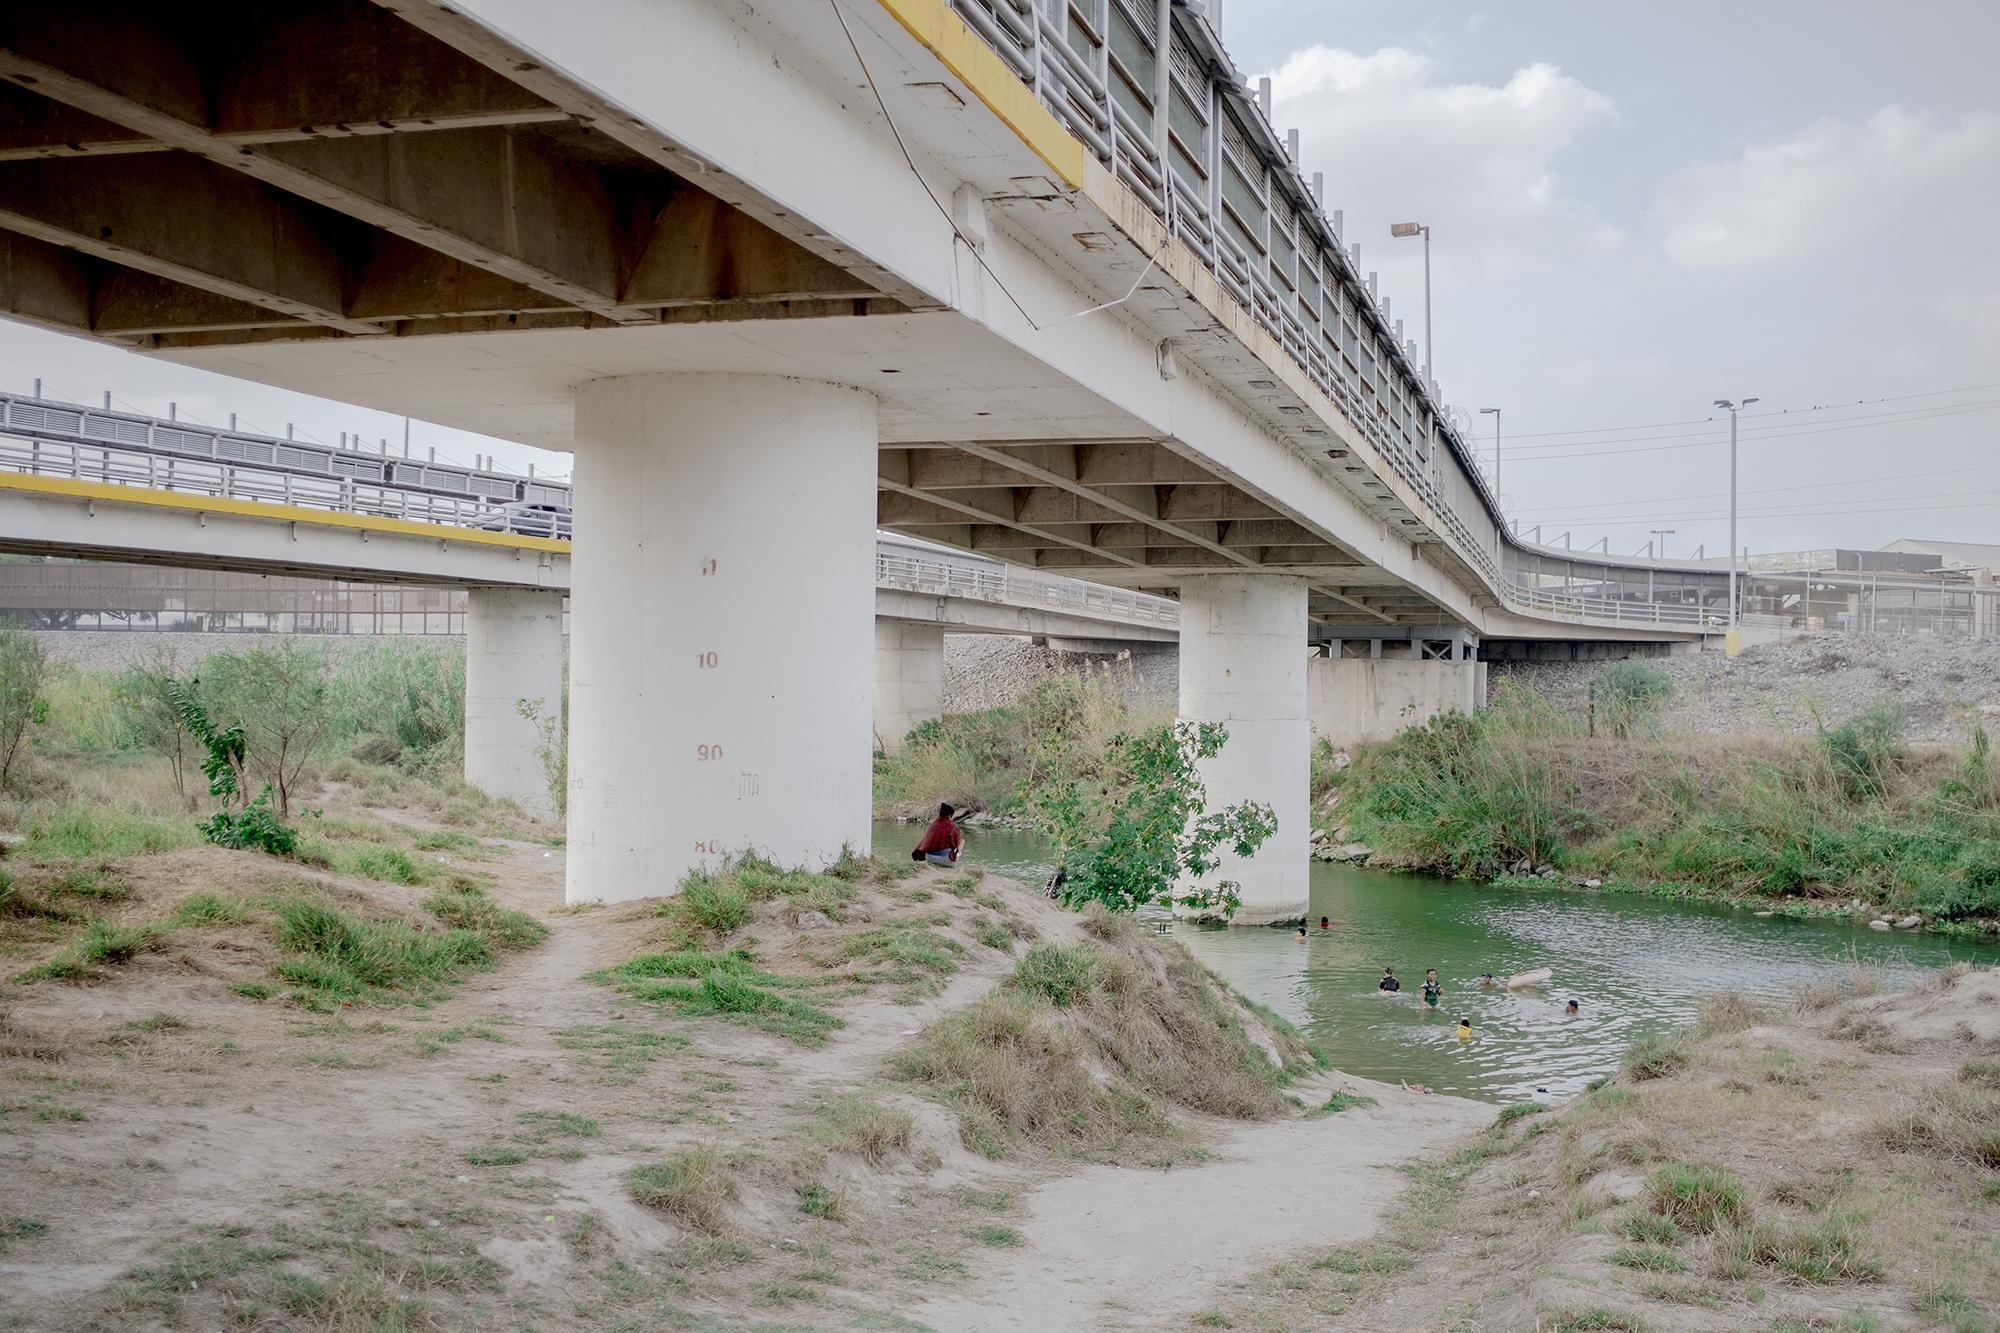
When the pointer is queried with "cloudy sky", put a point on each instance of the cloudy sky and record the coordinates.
(1637, 209)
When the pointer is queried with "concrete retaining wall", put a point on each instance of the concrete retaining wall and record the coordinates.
(1358, 699)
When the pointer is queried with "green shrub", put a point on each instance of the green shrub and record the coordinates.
(255, 827)
(1626, 696)
(1864, 749)
(1061, 974)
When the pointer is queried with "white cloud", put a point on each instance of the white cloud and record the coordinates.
(1476, 161)
(1831, 182)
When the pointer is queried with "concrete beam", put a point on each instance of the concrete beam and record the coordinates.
(223, 233)
(702, 251)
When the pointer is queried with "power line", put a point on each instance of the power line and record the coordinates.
(1773, 490)
(1794, 411)
(1872, 507)
(1778, 429)
(1769, 433)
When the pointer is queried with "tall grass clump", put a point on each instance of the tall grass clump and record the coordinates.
(407, 692)
(1864, 748)
(700, 984)
(1697, 1198)
(1626, 697)
(1470, 794)
(335, 955)
(694, 1187)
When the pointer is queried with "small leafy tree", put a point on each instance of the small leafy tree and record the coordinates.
(281, 694)
(551, 748)
(1131, 823)
(256, 827)
(1626, 696)
(144, 691)
(24, 668)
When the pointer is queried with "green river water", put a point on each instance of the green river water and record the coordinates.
(1635, 965)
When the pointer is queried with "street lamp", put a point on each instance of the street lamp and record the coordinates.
(1663, 534)
(1422, 229)
(1493, 412)
(1733, 409)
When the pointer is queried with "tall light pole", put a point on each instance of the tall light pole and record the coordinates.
(1422, 229)
(1733, 409)
(1494, 412)
(1663, 534)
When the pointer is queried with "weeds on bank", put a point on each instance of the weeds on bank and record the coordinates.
(698, 983)
(693, 1187)
(335, 956)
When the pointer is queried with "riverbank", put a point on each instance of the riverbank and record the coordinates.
(399, 1085)
(1851, 821)
(1832, 1164)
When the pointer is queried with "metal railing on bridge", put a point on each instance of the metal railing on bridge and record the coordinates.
(951, 576)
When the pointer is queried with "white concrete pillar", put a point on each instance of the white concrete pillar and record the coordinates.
(513, 652)
(909, 679)
(1243, 664)
(721, 621)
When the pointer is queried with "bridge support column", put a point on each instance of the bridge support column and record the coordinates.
(513, 652)
(1243, 664)
(909, 679)
(721, 614)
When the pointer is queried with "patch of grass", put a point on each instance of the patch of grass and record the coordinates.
(14, 1229)
(997, 1236)
(380, 861)
(1341, 1101)
(693, 1187)
(863, 1128)
(207, 909)
(82, 830)
(495, 1155)
(1696, 1198)
(336, 956)
(701, 984)
(159, 1022)
(1647, 1259)
(102, 944)
(470, 909)
(1060, 974)
(1826, 1249)
(562, 1122)
(1213, 1319)
(1648, 1228)
(822, 1201)
(1597, 1317)
(96, 885)
(997, 936)
(1655, 1056)
(905, 949)
(1945, 1303)
(253, 990)
(714, 902)
(993, 1201)
(1514, 1111)
(445, 840)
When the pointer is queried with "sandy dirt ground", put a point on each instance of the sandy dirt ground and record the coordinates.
(186, 1156)
(1112, 1248)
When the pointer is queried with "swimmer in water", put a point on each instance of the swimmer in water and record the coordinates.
(1322, 923)
(1570, 1010)
(1465, 1029)
(1433, 992)
(1486, 979)
(1302, 930)
(1388, 981)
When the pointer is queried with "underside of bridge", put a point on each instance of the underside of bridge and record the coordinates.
(395, 204)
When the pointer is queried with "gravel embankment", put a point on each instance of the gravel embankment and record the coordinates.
(995, 670)
(1944, 685)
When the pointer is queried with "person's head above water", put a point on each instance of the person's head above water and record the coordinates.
(1388, 971)
(1322, 923)
(1465, 1022)
(1570, 1007)
(1302, 930)
(944, 809)
(1431, 973)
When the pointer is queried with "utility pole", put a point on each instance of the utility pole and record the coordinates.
(1422, 229)
(1733, 409)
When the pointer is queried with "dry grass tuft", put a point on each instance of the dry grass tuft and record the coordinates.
(862, 1128)
(693, 1187)
(1727, 1012)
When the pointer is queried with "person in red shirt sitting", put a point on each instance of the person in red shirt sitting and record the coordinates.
(941, 840)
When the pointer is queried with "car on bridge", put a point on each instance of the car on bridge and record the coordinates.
(529, 519)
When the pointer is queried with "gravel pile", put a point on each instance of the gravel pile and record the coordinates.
(995, 670)
(1944, 685)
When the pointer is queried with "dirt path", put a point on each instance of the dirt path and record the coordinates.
(1112, 1248)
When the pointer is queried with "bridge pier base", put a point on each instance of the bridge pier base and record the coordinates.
(513, 652)
(1243, 664)
(721, 617)
(909, 679)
